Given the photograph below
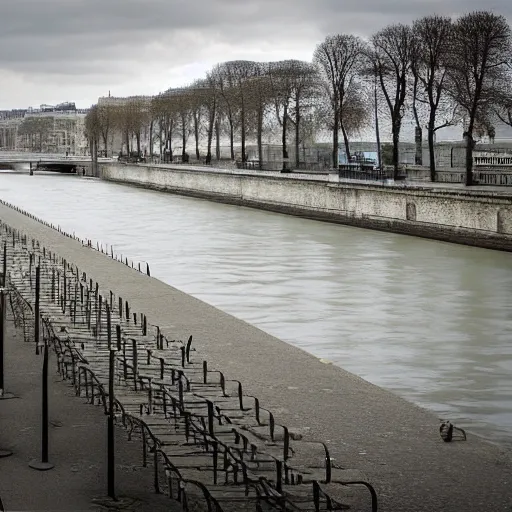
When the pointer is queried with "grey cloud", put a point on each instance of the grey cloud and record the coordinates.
(84, 38)
(33, 30)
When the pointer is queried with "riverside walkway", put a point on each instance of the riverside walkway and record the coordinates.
(394, 443)
(78, 445)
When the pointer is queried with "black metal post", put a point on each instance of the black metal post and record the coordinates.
(43, 464)
(65, 289)
(4, 266)
(36, 309)
(110, 427)
(2, 326)
(118, 336)
(53, 284)
(109, 332)
(3, 307)
(98, 315)
(134, 363)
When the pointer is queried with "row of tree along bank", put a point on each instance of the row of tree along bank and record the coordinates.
(445, 71)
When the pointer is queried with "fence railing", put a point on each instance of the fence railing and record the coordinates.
(365, 174)
(480, 177)
(212, 444)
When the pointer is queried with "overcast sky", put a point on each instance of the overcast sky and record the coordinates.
(77, 50)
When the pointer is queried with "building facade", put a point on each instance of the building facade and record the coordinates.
(47, 129)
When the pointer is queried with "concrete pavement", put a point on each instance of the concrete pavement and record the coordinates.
(394, 442)
(77, 446)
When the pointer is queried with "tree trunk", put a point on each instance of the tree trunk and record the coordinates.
(183, 139)
(151, 139)
(137, 137)
(105, 142)
(127, 137)
(243, 128)
(196, 134)
(95, 157)
(418, 157)
(209, 140)
(431, 152)
(335, 134)
(346, 141)
(396, 155)
(297, 132)
(232, 139)
(211, 125)
(260, 137)
(418, 136)
(160, 137)
(217, 141)
(283, 138)
(469, 157)
(171, 130)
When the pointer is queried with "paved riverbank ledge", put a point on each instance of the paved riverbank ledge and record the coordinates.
(478, 217)
(370, 433)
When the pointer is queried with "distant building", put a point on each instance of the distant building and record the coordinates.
(49, 129)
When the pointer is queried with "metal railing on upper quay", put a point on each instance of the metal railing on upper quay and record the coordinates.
(210, 445)
(480, 177)
(17, 157)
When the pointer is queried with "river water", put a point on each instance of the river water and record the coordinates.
(431, 321)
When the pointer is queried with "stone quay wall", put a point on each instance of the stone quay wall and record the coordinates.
(477, 218)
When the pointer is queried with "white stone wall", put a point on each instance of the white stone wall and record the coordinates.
(483, 213)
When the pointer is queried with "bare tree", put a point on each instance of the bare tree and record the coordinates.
(37, 129)
(236, 74)
(393, 50)
(293, 84)
(154, 118)
(281, 82)
(339, 58)
(130, 116)
(164, 106)
(93, 133)
(227, 107)
(479, 56)
(197, 112)
(305, 87)
(106, 122)
(209, 92)
(432, 43)
(259, 99)
(183, 101)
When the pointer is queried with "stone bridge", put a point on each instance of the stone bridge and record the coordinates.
(45, 161)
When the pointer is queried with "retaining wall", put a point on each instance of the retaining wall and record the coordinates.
(469, 217)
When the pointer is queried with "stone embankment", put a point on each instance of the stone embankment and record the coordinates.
(261, 450)
(481, 216)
